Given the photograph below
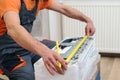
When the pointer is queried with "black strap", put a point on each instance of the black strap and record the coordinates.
(37, 1)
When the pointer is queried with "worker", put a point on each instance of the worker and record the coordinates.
(18, 49)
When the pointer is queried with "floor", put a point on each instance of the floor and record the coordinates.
(110, 68)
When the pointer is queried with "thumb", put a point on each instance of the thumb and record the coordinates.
(87, 32)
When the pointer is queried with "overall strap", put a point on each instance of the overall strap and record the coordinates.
(27, 16)
(36, 5)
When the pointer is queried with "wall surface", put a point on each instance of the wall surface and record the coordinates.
(41, 26)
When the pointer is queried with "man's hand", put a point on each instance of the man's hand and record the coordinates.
(51, 60)
(89, 29)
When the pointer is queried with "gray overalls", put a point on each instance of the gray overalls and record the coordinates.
(11, 53)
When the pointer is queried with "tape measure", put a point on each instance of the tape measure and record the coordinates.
(76, 49)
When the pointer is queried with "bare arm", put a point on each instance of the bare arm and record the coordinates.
(19, 34)
(24, 39)
(75, 14)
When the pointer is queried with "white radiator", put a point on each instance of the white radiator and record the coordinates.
(106, 18)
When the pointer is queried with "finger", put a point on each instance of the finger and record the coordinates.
(87, 31)
(60, 70)
(64, 64)
(50, 70)
(48, 66)
(53, 66)
(92, 32)
(53, 61)
(62, 61)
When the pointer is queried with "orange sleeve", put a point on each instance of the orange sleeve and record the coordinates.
(7, 5)
(44, 4)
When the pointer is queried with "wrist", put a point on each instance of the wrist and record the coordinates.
(88, 20)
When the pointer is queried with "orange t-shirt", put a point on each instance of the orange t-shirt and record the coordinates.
(15, 5)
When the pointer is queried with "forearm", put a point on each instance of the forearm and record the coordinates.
(20, 34)
(74, 13)
(69, 11)
(24, 39)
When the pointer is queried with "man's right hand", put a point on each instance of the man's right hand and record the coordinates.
(51, 59)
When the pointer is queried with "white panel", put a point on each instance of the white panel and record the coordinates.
(106, 18)
(40, 28)
(55, 25)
